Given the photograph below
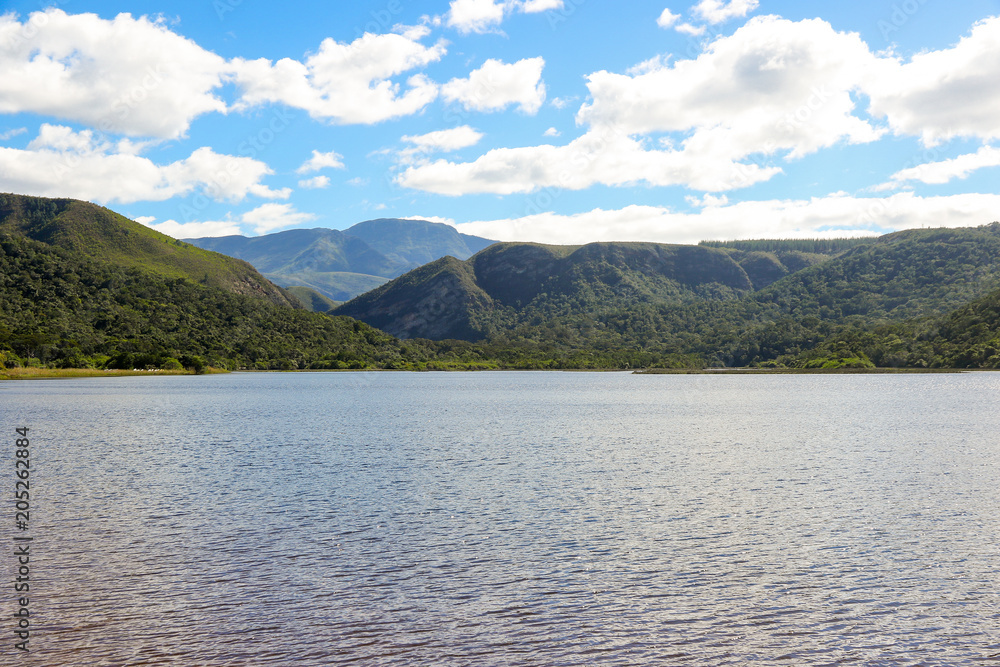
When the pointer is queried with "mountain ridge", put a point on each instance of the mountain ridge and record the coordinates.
(344, 264)
(104, 235)
(491, 286)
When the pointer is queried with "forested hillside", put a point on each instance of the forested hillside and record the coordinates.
(622, 313)
(80, 286)
(87, 230)
(343, 264)
(508, 285)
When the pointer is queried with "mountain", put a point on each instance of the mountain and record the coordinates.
(416, 242)
(511, 283)
(766, 261)
(81, 286)
(311, 299)
(342, 265)
(98, 233)
(641, 304)
(916, 272)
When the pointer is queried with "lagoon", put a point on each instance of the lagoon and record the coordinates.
(512, 518)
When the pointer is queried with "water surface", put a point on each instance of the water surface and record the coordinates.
(513, 519)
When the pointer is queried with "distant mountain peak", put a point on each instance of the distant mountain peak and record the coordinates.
(344, 264)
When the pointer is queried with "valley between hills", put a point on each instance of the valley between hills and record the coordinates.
(82, 287)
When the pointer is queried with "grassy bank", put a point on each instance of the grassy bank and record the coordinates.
(793, 371)
(47, 373)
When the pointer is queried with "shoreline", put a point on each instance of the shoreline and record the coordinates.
(65, 373)
(69, 373)
(801, 371)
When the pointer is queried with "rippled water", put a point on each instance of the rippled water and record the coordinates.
(512, 519)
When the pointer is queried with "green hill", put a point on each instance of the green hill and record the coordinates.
(88, 230)
(342, 265)
(510, 284)
(416, 242)
(81, 286)
(967, 337)
(311, 299)
(647, 304)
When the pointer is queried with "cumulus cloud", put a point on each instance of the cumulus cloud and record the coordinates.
(823, 217)
(497, 85)
(129, 76)
(192, 230)
(481, 16)
(346, 83)
(667, 18)
(717, 11)
(599, 157)
(943, 94)
(430, 218)
(270, 217)
(10, 134)
(944, 171)
(772, 89)
(61, 162)
(445, 140)
(261, 220)
(331, 160)
(535, 6)
(690, 29)
(315, 183)
(475, 15)
(772, 85)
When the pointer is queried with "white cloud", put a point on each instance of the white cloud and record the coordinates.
(475, 15)
(692, 30)
(667, 18)
(331, 160)
(497, 85)
(445, 140)
(943, 94)
(10, 134)
(772, 85)
(192, 230)
(598, 157)
(122, 76)
(655, 63)
(774, 89)
(708, 201)
(316, 183)
(536, 6)
(63, 163)
(346, 83)
(270, 217)
(717, 11)
(824, 217)
(482, 16)
(552, 132)
(430, 218)
(936, 173)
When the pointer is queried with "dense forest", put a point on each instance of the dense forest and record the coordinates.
(914, 299)
(851, 303)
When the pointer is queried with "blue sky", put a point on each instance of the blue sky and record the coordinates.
(559, 121)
